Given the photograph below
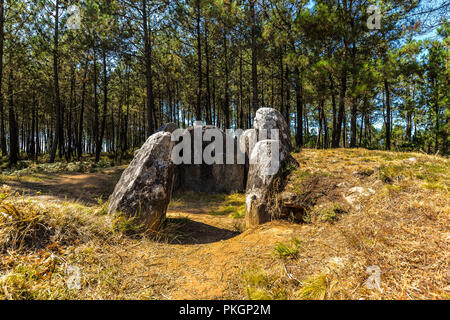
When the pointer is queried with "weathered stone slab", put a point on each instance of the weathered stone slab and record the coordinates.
(168, 127)
(265, 181)
(268, 119)
(211, 178)
(265, 184)
(145, 187)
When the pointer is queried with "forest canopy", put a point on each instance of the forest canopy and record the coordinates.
(95, 76)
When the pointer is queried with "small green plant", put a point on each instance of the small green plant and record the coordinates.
(314, 288)
(258, 294)
(100, 200)
(224, 210)
(435, 186)
(330, 212)
(289, 168)
(103, 164)
(239, 227)
(389, 174)
(233, 205)
(128, 226)
(238, 214)
(288, 251)
(262, 286)
(103, 210)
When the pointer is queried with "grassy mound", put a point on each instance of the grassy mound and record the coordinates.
(361, 211)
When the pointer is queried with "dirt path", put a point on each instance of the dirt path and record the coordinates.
(86, 188)
(402, 228)
(198, 264)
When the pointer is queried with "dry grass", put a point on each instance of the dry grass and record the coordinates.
(403, 228)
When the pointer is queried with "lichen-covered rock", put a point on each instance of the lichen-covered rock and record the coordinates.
(268, 119)
(355, 194)
(266, 179)
(168, 127)
(145, 187)
(211, 178)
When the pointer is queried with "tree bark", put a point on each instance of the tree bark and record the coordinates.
(105, 109)
(226, 106)
(81, 119)
(208, 86)
(333, 105)
(254, 45)
(59, 126)
(388, 115)
(288, 98)
(95, 129)
(2, 114)
(436, 111)
(353, 123)
(148, 70)
(69, 122)
(299, 101)
(13, 130)
(341, 113)
(198, 108)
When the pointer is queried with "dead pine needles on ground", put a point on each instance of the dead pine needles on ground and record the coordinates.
(362, 210)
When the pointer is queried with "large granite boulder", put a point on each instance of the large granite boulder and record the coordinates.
(168, 127)
(268, 119)
(218, 177)
(270, 163)
(265, 180)
(145, 187)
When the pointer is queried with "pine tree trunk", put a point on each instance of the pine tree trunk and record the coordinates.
(13, 133)
(148, 70)
(208, 86)
(2, 113)
(341, 113)
(81, 119)
(59, 126)
(226, 106)
(388, 115)
(198, 108)
(299, 102)
(105, 109)
(254, 45)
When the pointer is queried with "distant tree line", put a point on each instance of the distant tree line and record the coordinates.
(130, 66)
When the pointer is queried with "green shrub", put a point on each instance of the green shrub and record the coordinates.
(314, 288)
(261, 286)
(288, 251)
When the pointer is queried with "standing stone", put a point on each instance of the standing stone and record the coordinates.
(168, 127)
(268, 119)
(265, 181)
(145, 187)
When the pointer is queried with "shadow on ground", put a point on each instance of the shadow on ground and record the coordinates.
(87, 188)
(187, 231)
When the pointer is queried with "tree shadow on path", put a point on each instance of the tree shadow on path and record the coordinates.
(187, 231)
